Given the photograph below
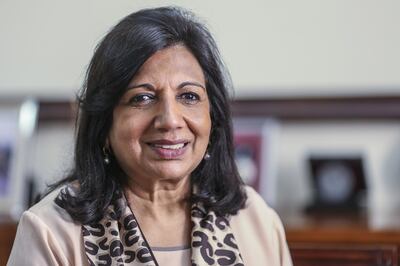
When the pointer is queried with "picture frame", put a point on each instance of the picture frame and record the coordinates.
(18, 121)
(338, 181)
(256, 142)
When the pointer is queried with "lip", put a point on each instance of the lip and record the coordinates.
(167, 141)
(169, 153)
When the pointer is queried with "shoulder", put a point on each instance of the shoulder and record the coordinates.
(257, 210)
(47, 233)
(47, 215)
(48, 212)
(259, 233)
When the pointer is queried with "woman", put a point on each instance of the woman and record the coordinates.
(154, 181)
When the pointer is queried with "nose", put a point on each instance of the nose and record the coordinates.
(169, 114)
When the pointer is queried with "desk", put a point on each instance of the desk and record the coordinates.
(340, 239)
(8, 228)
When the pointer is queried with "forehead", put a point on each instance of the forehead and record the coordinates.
(174, 61)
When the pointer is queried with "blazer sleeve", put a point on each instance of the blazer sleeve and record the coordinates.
(260, 234)
(285, 258)
(35, 244)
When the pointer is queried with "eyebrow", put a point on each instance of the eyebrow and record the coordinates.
(152, 88)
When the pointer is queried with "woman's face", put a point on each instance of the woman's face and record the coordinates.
(161, 126)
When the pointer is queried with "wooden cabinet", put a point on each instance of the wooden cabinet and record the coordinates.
(8, 229)
(341, 240)
(313, 254)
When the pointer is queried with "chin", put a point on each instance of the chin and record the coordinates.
(173, 176)
(174, 169)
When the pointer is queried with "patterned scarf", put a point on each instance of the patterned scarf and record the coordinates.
(121, 242)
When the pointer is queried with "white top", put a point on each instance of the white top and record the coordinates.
(47, 235)
(172, 255)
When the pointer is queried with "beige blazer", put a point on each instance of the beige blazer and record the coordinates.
(47, 235)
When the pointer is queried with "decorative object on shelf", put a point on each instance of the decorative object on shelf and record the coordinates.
(256, 141)
(338, 182)
(18, 119)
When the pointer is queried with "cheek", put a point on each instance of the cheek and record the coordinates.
(207, 120)
(207, 126)
(200, 122)
(124, 132)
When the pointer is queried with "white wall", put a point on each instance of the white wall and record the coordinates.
(53, 146)
(308, 47)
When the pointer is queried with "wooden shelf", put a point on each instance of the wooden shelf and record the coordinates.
(340, 239)
(8, 229)
(309, 254)
(327, 108)
(312, 108)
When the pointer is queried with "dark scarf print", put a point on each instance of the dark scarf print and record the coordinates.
(121, 242)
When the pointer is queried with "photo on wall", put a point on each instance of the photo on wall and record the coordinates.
(256, 141)
(248, 157)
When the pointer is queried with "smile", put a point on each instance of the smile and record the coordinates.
(170, 147)
(169, 150)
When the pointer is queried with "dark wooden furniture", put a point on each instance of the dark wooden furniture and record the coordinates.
(321, 108)
(307, 254)
(8, 228)
(311, 108)
(344, 239)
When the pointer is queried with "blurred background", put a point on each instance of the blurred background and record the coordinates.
(316, 86)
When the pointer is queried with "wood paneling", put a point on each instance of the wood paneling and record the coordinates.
(366, 107)
(363, 107)
(56, 111)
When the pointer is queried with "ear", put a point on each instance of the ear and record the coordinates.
(107, 144)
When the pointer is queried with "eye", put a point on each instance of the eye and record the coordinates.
(190, 97)
(141, 99)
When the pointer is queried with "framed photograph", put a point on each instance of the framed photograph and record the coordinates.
(256, 142)
(338, 182)
(17, 122)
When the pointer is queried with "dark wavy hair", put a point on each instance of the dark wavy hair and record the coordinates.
(116, 60)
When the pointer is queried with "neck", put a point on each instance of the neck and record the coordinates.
(163, 194)
(161, 208)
